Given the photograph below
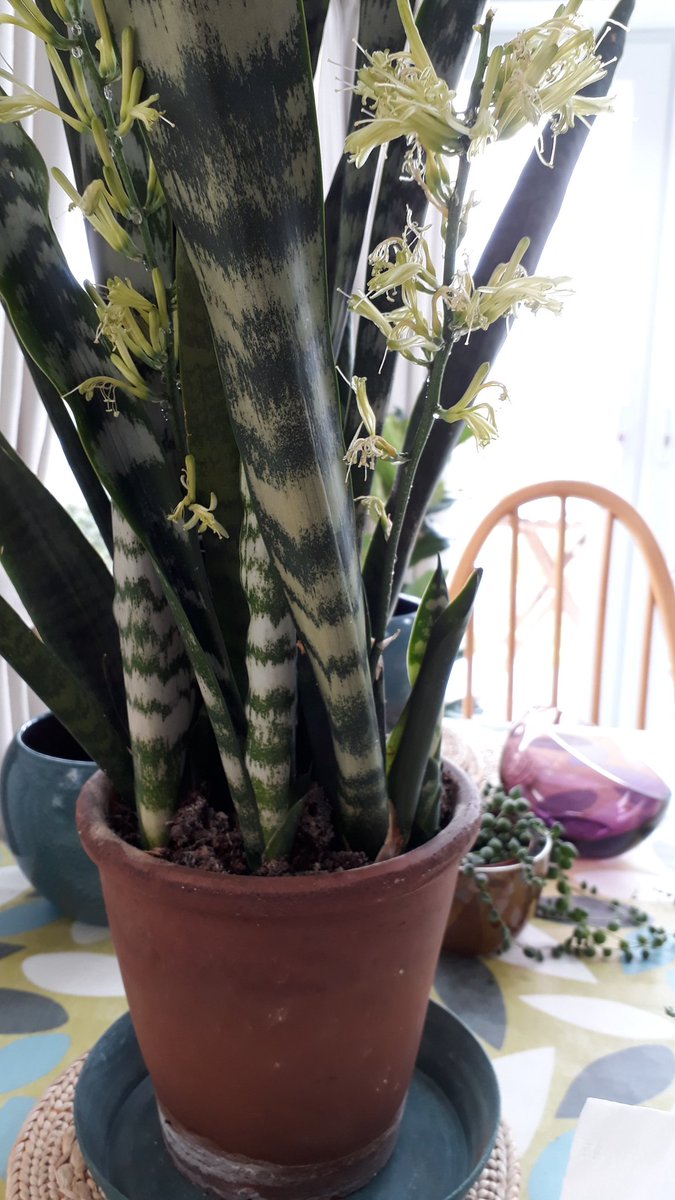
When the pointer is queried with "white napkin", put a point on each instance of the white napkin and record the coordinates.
(621, 1152)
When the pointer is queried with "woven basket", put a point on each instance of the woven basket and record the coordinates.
(47, 1164)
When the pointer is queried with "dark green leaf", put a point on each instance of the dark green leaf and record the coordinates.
(65, 695)
(425, 705)
(63, 583)
(281, 842)
(434, 601)
(315, 19)
(134, 453)
(429, 543)
(85, 475)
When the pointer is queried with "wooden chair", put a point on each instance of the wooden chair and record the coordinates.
(661, 593)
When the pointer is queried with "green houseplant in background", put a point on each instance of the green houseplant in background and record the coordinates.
(235, 659)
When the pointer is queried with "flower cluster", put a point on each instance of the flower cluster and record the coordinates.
(105, 200)
(538, 74)
(541, 73)
(402, 268)
(508, 289)
(403, 264)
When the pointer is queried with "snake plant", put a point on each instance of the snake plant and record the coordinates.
(220, 387)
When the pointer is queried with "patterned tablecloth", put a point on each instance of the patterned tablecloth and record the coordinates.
(557, 1031)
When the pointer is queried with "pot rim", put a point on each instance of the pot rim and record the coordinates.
(106, 848)
(505, 868)
(47, 715)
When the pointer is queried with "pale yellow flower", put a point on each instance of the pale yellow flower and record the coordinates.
(98, 204)
(132, 108)
(541, 73)
(27, 101)
(365, 451)
(508, 289)
(201, 515)
(27, 16)
(478, 415)
(377, 510)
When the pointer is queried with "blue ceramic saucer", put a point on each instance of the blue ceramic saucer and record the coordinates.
(448, 1130)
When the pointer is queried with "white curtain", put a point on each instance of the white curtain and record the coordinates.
(22, 417)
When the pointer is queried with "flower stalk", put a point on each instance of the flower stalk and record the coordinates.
(431, 399)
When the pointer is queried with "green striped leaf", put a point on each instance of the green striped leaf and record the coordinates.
(132, 452)
(212, 444)
(425, 705)
(428, 814)
(258, 254)
(64, 694)
(63, 583)
(433, 603)
(272, 680)
(158, 682)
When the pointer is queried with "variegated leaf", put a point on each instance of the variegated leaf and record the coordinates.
(158, 682)
(133, 453)
(252, 224)
(272, 682)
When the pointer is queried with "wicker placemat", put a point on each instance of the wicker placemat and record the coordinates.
(47, 1164)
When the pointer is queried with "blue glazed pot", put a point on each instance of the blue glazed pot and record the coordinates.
(42, 775)
(396, 658)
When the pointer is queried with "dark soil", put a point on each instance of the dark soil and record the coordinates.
(203, 837)
(207, 839)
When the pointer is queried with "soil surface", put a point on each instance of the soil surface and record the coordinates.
(203, 837)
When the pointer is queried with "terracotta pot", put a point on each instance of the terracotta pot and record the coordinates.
(279, 1018)
(469, 929)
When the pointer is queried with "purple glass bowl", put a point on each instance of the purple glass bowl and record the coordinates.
(579, 776)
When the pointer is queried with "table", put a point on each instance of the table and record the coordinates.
(557, 1031)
